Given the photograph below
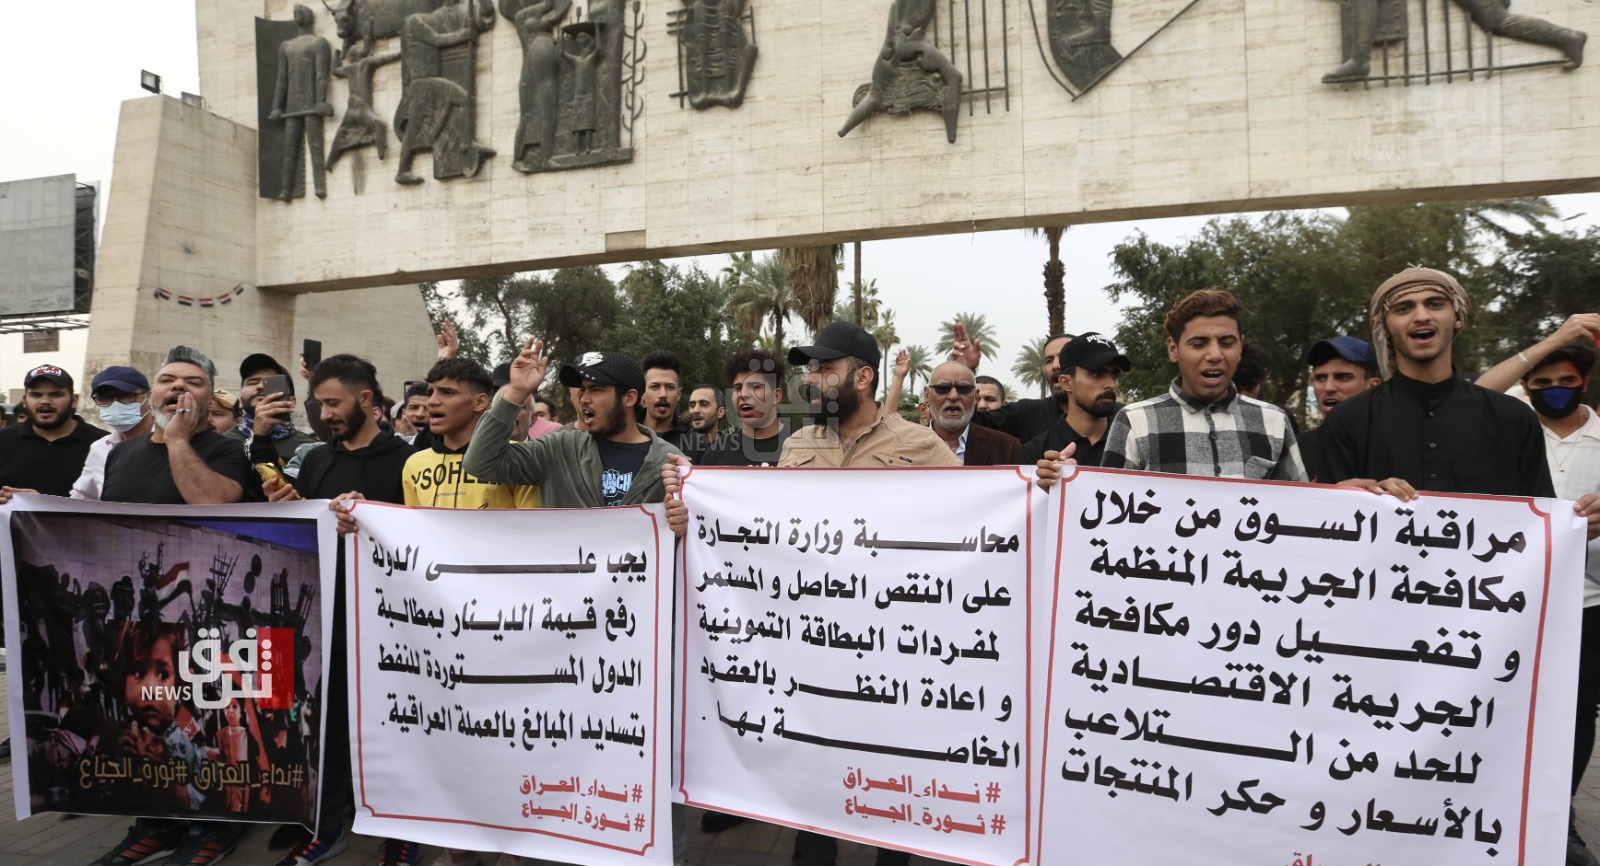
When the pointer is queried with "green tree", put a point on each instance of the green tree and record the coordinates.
(686, 311)
(569, 309)
(758, 294)
(441, 305)
(978, 328)
(1029, 366)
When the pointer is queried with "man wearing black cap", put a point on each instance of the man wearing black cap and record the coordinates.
(1086, 385)
(123, 395)
(851, 429)
(46, 453)
(267, 417)
(1341, 367)
(614, 461)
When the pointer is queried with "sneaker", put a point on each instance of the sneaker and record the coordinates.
(318, 850)
(398, 852)
(142, 846)
(447, 858)
(289, 837)
(207, 842)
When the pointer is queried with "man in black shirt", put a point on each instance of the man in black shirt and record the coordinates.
(757, 392)
(362, 462)
(1425, 428)
(179, 462)
(663, 389)
(45, 453)
(1087, 386)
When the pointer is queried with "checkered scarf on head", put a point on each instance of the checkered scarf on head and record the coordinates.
(1407, 282)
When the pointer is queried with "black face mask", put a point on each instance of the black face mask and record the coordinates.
(1554, 403)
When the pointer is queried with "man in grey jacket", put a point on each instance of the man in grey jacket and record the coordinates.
(615, 461)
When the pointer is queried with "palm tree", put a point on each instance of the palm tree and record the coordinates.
(813, 277)
(759, 294)
(920, 366)
(1030, 364)
(978, 329)
(1055, 289)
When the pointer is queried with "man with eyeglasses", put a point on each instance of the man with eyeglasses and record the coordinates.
(123, 395)
(952, 398)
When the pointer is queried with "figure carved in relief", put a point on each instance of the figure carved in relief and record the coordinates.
(909, 73)
(539, 89)
(361, 124)
(300, 99)
(1492, 15)
(583, 61)
(718, 54)
(436, 112)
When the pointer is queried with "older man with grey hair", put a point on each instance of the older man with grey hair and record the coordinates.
(180, 461)
(952, 398)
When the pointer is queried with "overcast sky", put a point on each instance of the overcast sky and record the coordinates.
(71, 72)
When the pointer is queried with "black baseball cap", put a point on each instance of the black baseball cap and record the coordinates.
(1093, 351)
(124, 379)
(49, 372)
(838, 340)
(258, 362)
(1352, 349)
(604, 368)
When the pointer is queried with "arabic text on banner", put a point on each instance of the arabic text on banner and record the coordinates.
(511, 671)
(1280, 673)
(167, 661)
(856, 653)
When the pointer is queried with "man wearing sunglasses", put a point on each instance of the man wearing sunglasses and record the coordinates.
(952, 398)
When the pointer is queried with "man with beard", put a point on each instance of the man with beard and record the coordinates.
(1341, 367)
(850, 430)
(757, 378)
(45, 454)
(179, 462)
(1202, 425)
(612, 460)
(1087, 386)
(705, 419)
(362, 461)
(952, 398)
(662, 391)
(1023, 419)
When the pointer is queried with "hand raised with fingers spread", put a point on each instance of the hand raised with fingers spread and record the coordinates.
(449, 345)
(528, 370)
(965, 350)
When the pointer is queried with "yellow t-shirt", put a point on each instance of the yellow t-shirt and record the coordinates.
(437, 479)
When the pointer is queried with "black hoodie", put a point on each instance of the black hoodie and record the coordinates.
(375, 471)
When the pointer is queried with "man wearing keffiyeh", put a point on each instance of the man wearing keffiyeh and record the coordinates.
(266, 416)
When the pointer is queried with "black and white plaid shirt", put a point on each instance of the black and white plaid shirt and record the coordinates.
(1235, 437)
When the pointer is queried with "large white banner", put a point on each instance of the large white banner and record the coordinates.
(1268, 674)
(512, 680)
(856, 653)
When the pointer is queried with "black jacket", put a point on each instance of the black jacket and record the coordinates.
(374, 471)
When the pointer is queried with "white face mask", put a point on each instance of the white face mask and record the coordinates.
(123, 417)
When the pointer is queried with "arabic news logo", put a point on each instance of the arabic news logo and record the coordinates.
(260, 665)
